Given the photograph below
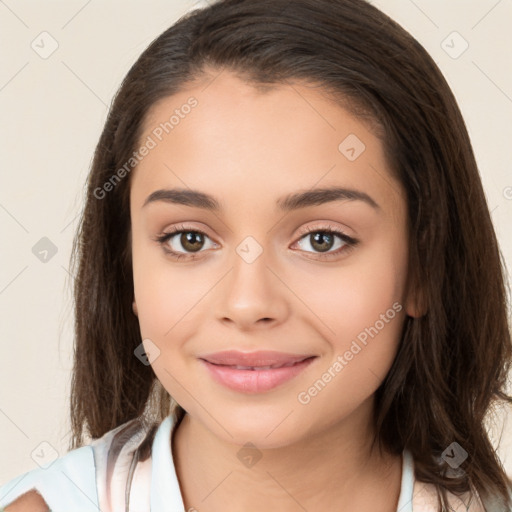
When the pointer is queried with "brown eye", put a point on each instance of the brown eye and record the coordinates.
(322, 240)
(191, 240)
(183, 242)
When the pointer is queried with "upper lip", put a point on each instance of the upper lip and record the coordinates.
(254, 359)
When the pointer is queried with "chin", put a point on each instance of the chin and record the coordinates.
(265, 426)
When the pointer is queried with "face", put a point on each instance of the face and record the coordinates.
(322, 277)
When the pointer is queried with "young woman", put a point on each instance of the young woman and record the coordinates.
(289, 292)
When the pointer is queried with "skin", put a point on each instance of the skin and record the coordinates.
(30, 501)
(248, 148)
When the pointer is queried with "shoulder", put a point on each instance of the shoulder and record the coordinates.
(422, 496)
(63, 479)
(74, 477)
(425, 500)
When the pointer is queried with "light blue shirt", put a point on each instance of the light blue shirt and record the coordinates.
(69, 483)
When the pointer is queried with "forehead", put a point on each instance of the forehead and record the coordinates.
(225, 136)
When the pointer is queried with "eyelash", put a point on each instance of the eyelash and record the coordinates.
(350, 242)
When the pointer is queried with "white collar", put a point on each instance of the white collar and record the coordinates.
(166, 494)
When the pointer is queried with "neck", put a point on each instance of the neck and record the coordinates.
(336, 469)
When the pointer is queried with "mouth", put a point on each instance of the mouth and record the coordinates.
(255, 372)
(263, 360)
(257, 368)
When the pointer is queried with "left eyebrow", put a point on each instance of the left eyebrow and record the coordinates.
(295, 201)
(321, 196)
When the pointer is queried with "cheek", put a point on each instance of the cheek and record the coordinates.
(157, 288)
(362, 317)
(165, 297)
(366, 317)
(369, 317)
(352, 297)
(169, 295)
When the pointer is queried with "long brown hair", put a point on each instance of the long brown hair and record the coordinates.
(452, 363)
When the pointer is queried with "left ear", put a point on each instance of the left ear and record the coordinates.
(134, 307)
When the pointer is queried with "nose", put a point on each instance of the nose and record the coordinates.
(252, 295)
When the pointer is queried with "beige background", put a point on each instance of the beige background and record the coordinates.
(52, 112)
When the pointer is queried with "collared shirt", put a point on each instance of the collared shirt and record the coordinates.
(131, 468)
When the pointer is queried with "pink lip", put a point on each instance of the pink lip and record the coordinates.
(260, 358)
(222, 368)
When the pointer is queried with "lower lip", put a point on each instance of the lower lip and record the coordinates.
(255, 381)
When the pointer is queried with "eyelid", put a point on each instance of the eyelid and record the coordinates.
(325, 227)
(178, 229)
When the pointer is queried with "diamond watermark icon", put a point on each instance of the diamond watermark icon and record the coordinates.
(454, 45)
(351, 147)
(44, 250)
(249, 249)
(249, 455)
(44, 454)
(454, 455)
(146, 352)
(44, 45)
